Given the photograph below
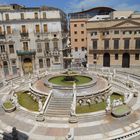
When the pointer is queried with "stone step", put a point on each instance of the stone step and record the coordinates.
(67, 102)
(62, 100)
(58, 104)
(56, 115)
(59, 108)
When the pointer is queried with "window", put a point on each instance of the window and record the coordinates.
(11, 49)
(39, 48)
(106, 33)
(116, 32)
(0, 30)
(56, 59)
(94, 44)
(126, 43)
(36, 15)
(82, 25)
(116, 56)
(55, 45)
(9, 31)
(2, 48)
(137, 32)
(75, 32)
(82, 32)
(94, 56)
(47, 48)
(106, 44)
(116, 43)
(23, 29)
(25, 46)
(40, 63)
(37, 28)
(127, 32)
(22, 15)
(82, 39)
(83, 48)
(76, 49)
(75, 40)
(93, 33)
(44, 15)
(13, 62)
(137, 43)
(124, 32)
(7, 16)
(75, 25)
(45, 28)
(136, 56)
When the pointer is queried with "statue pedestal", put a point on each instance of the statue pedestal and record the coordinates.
(40, 118)
(73, 119)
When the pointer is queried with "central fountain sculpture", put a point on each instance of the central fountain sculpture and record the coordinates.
(70, 75)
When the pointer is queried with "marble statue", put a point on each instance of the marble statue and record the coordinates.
(87, 66)
(40, 105)
(114, 72)
(46, 73)
(108, 107)
(126, 95)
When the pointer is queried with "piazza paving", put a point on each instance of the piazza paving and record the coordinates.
(89, 126)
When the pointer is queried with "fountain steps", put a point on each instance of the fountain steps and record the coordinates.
(59, 106)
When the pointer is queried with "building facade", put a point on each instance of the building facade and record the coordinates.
(78, 31)
(114, 41)
(31, 39)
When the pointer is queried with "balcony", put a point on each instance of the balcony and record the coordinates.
(3, 56)
(56, 53)
(24, 34)
(2, 35)
(48, 53)
(26, 52)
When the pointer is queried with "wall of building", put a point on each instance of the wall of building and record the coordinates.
(78, 33)
(128, 29)
(55, 33)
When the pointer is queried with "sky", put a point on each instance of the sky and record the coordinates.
(78, 5)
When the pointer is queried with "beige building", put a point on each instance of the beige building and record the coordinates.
(116, 41)
(78, 32)
(32, 39)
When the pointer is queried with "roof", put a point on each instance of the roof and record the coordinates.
(94, 9)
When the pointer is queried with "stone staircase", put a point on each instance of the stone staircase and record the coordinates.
(59, 105)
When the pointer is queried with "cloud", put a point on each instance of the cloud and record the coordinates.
(126, 6)
(78, 5)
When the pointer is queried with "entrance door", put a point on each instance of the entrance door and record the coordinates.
(126, 60)
(106, 60)
(48, 63)
(6, 69)
(27, 66)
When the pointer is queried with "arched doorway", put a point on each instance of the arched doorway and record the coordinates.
(5, 68)
(48, 62)
(27, 66)
(106, 60)
(126, 60)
